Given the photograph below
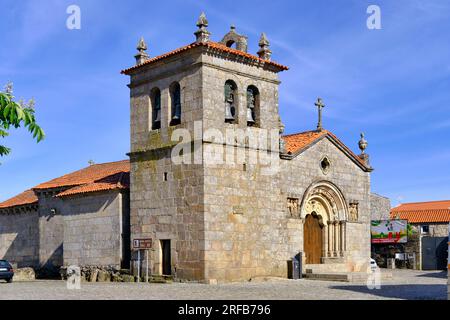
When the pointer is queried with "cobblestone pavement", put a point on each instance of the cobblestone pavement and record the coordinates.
(405, 284)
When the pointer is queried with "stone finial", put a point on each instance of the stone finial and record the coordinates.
(264, 53)
(202, 34)
(142, 55)
(363, 144)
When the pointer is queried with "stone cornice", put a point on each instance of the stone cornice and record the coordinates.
(25, 209)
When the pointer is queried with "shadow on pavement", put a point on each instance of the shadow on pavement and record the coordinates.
(402, 291)
(437, 274)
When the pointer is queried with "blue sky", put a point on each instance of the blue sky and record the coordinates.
(393, 84)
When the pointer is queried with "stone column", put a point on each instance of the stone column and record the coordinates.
(336, 239)
(341, 235)
(325, 242)
(344, 237)
(330, 239)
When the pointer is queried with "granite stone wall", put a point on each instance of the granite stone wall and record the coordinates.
(51, 232)
(93, 230)
(19, 238)
(166, 200)
(438, 229)
(226, 222)
(354, 184)
(380, 207)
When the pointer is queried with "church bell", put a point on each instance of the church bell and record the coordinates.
(177, 114)
(228, 113)
(250, 116)
(158, 116)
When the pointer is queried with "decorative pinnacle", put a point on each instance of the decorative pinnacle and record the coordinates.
(264, 53)
(142, 46)
(202, 34)
(142, 55)
(202, 21)
(263, 41)
(363, 144)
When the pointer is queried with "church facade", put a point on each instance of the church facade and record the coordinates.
(244, 215)
(233, 221)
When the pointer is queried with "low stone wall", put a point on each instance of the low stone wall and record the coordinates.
(24, 274)
(112, 274)
(101, 274)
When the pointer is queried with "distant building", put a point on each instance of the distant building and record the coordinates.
(430, 221)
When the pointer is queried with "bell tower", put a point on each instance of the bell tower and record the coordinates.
(195, 211)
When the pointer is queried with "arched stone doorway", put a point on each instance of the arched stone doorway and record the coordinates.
(325, 214)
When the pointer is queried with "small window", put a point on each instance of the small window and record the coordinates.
(325, 165)
(425, 229)
(175, 97)
(230, 102)
(166, 176)
(156, 109)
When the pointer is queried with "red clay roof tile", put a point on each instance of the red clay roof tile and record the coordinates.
(423, 212)
(115, 182)
(298, 142)
(98, 177)
(209, 44)
(87, 175)
(26, 198)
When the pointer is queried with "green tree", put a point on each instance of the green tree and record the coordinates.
(15, 115)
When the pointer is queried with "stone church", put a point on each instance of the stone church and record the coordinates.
(209, 222)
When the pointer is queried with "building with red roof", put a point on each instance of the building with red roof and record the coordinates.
(57, 222)
(430, 227)
(304, 193)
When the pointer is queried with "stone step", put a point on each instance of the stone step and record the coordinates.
(327, 277)
(345, 277)
(160, 279)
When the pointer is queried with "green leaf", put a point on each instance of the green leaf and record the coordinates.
(20, 113)
(4, 151)
(6, 111)
(14, 114)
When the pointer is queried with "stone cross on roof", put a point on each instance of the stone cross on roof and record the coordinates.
(319, 104)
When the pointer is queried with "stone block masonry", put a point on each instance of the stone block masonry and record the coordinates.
(19, 238)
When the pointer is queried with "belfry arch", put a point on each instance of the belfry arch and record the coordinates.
(325, 214)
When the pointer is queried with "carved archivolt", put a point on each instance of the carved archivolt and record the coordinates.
(325, 200)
